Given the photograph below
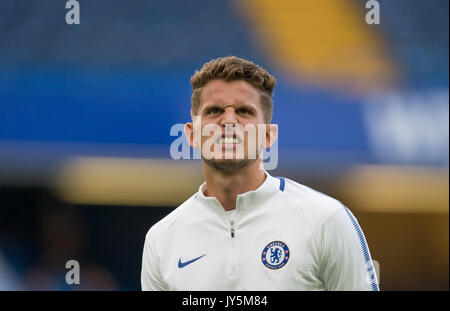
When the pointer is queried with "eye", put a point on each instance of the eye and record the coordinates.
(243, 111)
(213, 111)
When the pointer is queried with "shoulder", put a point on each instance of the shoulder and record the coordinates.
(159, 230)
(316, 206)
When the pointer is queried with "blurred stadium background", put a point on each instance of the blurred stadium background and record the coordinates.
(86, 112)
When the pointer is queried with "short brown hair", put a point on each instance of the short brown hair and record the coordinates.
(233, 68)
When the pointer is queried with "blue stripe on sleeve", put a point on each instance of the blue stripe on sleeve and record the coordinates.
(365, 249)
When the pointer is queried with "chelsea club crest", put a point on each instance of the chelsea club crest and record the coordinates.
(275, 255)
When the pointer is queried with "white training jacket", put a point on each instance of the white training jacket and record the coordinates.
(281, 236)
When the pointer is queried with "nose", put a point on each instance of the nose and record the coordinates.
(229, 117)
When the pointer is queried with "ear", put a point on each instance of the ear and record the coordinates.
(189, 132)
(271, 135)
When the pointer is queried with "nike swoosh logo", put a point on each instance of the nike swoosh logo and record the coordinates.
(184, 264)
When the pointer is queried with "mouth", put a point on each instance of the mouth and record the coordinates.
(228, 140)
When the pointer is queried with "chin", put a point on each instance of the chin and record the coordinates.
(228, 165)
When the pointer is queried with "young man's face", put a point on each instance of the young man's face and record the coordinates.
(230, 113)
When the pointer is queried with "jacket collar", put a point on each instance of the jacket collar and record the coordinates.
(247, 201)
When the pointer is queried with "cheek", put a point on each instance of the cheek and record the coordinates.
(203, 138)
(256, 136)
(208, 131)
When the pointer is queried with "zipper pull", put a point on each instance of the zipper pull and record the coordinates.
(232, 228)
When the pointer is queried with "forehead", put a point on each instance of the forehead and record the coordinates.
(222, 92)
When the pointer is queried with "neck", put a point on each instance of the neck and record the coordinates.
(226, 186)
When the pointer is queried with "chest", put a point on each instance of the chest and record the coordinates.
(257, 252)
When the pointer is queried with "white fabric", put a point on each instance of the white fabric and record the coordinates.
(327, 250)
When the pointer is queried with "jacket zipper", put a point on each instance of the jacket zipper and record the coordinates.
(233, 254)
(232, 228)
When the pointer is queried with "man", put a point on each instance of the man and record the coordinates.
(244, 229)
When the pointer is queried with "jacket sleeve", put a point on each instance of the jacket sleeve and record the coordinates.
(150, 274)
(345, 264)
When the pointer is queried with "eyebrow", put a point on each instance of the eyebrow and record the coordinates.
(239, 105)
